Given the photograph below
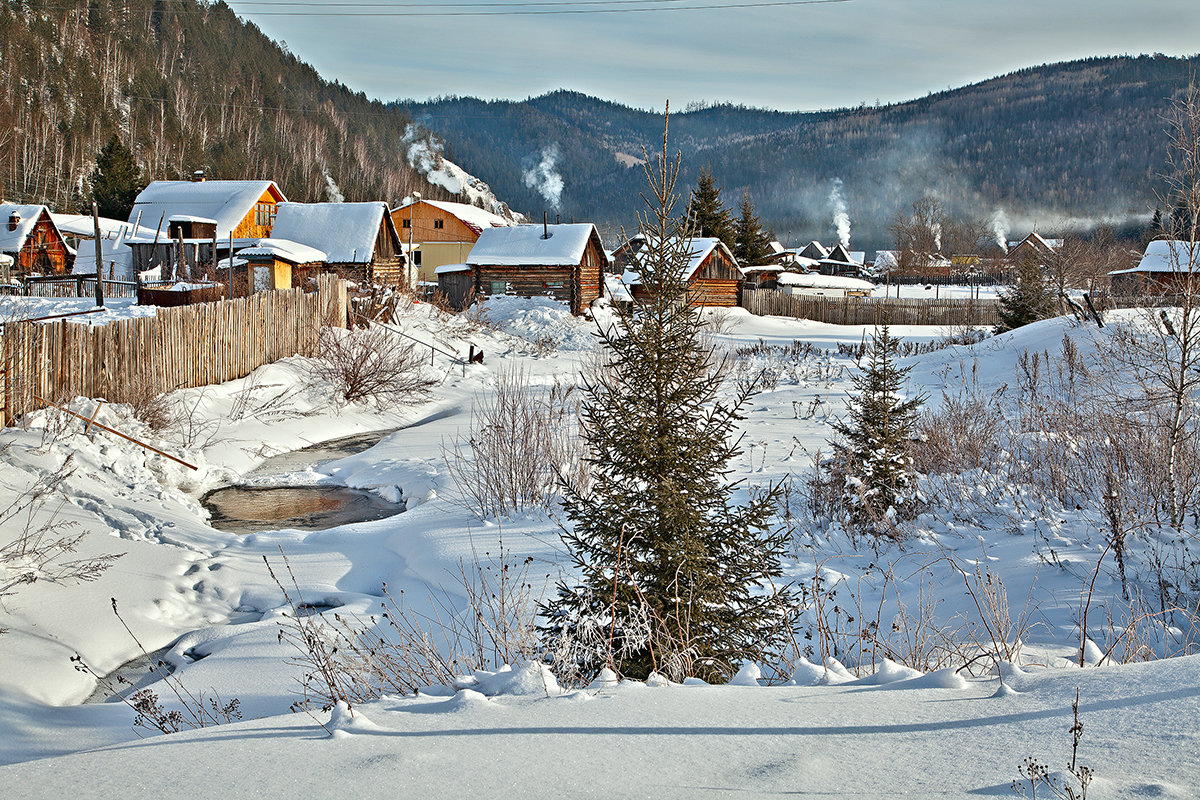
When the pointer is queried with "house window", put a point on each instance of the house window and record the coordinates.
(498, 287)
(408, 223)
(264, 214)
(416, 258)
(439, 223)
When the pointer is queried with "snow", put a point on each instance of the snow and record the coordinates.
(1165, 255)
(816, 280)
(12, 240)
(524, 245)
(448, 268)
(699, 248)
(225, 202)
(284, 249)
(345, 232)
(843, 724)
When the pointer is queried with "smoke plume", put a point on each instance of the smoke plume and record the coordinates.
(841, 219)
(1000, 228)
(545, 178)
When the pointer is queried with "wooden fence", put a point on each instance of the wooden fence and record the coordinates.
(177, 348)
(873, 310)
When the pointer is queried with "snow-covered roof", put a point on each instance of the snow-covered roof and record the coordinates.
(817, 281)
(225, 202)
(886, 258)
(12, 241)
(777, 247)
(839, 255)
(81, 225)
(286, 250)
(345, 232)
(699, 249)
(191, 218)
(446, 268)
(472, 216)
(1165, 256)
(616, 288)
(523, 245)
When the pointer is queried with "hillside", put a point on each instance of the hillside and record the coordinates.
(1051, 146)
(186, 86)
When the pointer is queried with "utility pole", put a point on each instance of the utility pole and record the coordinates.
(412, 274)
(99, 257)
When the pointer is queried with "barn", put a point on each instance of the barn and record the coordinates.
(560, 261)
(359, 240)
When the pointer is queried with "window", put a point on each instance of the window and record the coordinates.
(408, 223)
(416, 258)
(264, 214)
(439, 223)
(498, 287)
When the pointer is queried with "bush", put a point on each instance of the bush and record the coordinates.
(372, 365)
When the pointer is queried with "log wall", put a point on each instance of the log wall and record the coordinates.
(177, 348)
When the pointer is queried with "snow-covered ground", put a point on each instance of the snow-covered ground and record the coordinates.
(207, 597)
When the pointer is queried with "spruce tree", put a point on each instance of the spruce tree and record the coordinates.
(668, 568)
(708, 215)
(116, 180)
(751, 243)
(1031, 298)
(871, 451)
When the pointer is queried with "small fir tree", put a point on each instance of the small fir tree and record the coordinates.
(116, 180)
(1031, 298)
(871, 451)
(751, 243)
(708, 215)
(669, 569)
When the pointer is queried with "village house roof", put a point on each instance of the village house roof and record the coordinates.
(699, 250)
(1167, 256)
(473, 217)
(525, 245)
(445, 269)
(285, 250)
(11, 241)
(225, 202)
(817, 281)
(345, 232)
(840, 255)
(81, 225)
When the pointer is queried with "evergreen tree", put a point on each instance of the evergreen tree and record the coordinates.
(668, 568)
(116, 180)
(1031, 298)
(751, 244)
(871, 453)
(708, 215)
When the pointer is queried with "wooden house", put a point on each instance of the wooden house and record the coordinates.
(1034, 247)
(441, 233)
(840, 261)
(711, 274)
(275, 264)
(29, 235)
(184, 218)
(565, 262)
(358, 240)
(1167, 267)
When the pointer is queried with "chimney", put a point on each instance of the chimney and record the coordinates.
(545, 225)
(198, 176)
(14, 220)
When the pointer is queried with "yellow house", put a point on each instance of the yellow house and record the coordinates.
(441, 233)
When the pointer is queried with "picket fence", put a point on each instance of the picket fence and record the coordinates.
(874, 310)
(181, 347)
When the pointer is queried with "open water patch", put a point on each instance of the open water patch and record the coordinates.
(253, 509)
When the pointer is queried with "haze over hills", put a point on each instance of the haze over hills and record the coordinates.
(1057, 146)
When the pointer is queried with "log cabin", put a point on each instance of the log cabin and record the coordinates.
(441, 233)
(1167, 267)
(29, 235)
(711, 275)
(561, 261)
(359, 241)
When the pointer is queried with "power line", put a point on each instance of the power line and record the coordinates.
(499, 9)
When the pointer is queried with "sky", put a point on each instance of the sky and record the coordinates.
(789, 57)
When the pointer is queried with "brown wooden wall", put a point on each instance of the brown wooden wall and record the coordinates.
(423, 216)
(44, 250)
(874, 310)
(248, 228)
(531, 281)
(712, 292)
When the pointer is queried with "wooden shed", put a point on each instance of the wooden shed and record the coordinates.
(712, 275)
(278, 264)
(1167, 267)
(29, 235)
(560, 261)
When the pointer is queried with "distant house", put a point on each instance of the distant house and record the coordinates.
(441, 233)
(29, 235)
(814, 250)
(358, 240)
(184, 218)
(839, 261)
(560, 261)
(819, 285)
(1167, 266)
(711, 274)
(1034, 247)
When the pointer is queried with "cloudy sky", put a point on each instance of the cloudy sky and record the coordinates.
(789, 57)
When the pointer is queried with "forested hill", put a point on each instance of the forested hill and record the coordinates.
(1051, 146)
(186, 86)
